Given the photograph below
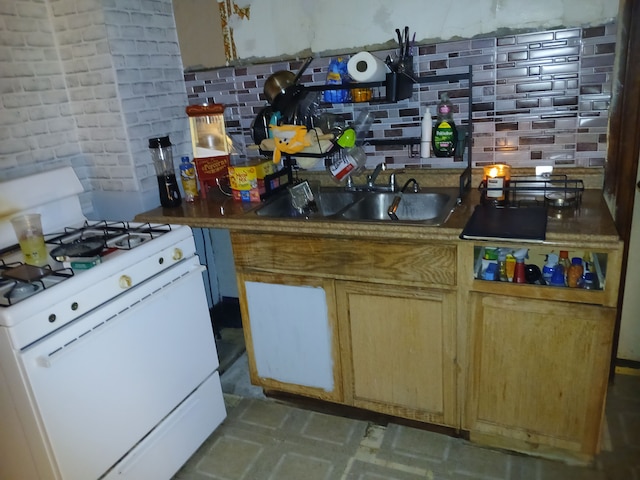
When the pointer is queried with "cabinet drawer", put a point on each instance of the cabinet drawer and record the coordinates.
(395, 262)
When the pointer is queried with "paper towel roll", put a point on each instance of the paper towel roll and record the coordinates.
(364, 67)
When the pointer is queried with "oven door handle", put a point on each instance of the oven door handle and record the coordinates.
(136, 298)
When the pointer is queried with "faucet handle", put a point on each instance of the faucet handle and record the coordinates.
(393, 184)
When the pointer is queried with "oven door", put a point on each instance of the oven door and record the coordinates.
(104, 382)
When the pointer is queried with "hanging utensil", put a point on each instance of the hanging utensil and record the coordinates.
(406, 42)
(278, 82)
(399, 35)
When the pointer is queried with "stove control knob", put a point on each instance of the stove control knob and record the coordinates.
(125, 281)
(177, 254)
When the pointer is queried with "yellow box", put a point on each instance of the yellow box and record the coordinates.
(247, 180)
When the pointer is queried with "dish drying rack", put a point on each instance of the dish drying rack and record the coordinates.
(558, 191)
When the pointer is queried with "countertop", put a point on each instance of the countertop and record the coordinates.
(590, 224)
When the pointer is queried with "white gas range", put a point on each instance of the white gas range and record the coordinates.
(108, 365)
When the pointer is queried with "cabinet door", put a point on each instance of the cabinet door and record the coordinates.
(291, 334)
(538, 373)
(398, 350)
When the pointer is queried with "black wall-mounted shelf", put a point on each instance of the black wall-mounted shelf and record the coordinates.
(400, 86)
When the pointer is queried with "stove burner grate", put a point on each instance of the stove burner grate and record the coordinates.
(112, 234)
(24, 280)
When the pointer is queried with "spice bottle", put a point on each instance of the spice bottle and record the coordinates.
(574, 276)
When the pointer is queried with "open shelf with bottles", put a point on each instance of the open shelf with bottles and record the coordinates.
(488, 278)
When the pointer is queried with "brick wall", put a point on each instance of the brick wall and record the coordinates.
(86, 83)
(538, 98)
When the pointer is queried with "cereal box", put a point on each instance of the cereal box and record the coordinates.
(247, 179)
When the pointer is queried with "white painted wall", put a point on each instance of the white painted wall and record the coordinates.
(629, 341)
(285, 27)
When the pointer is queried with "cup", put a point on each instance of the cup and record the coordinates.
(28, 229)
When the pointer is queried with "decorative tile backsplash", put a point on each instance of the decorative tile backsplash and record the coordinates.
(538, 98)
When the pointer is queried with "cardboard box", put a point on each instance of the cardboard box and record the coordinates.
(247, 180)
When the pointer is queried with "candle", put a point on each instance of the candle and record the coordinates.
(496, 179)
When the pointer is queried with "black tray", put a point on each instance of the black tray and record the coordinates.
(505, 223)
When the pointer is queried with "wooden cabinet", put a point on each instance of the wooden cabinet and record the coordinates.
(538, 373)
(398, 350)
(537, 363)
(390, 308)
(407, 328)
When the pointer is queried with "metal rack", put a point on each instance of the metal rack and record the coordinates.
(557, 191)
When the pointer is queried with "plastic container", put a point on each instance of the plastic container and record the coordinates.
(188, 177)
(426, 134)
(362, 126)
(162, 157)
(347, 162)
(28, 229)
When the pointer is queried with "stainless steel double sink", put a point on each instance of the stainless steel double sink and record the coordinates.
(432, 206)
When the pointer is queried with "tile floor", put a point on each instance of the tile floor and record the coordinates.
(266, 439)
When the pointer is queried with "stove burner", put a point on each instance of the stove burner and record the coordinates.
(22, 290)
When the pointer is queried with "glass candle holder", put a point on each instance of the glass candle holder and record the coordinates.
(496, 179)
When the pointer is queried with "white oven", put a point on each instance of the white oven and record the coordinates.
(108, 372)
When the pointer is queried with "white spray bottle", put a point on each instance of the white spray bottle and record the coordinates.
(425, 138)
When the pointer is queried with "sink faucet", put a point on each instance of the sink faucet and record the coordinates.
(393, 208)
(371, 179)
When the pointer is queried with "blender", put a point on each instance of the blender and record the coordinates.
(162, 157)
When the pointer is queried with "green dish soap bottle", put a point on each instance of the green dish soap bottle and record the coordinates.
(445, 134)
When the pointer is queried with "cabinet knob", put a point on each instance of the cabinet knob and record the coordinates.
(125, 282)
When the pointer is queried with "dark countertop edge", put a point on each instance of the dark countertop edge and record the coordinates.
(593, 227)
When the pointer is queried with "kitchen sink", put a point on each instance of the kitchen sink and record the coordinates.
(430, 207)
(329, 201)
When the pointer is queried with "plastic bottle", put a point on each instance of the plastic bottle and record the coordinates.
(564, 261)
(549, 267)
(188, 177)
(445, 134)
(502, 267)
(427, 131)
(587, 278)
(574, 276)
(510, 266)
(557, 278)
